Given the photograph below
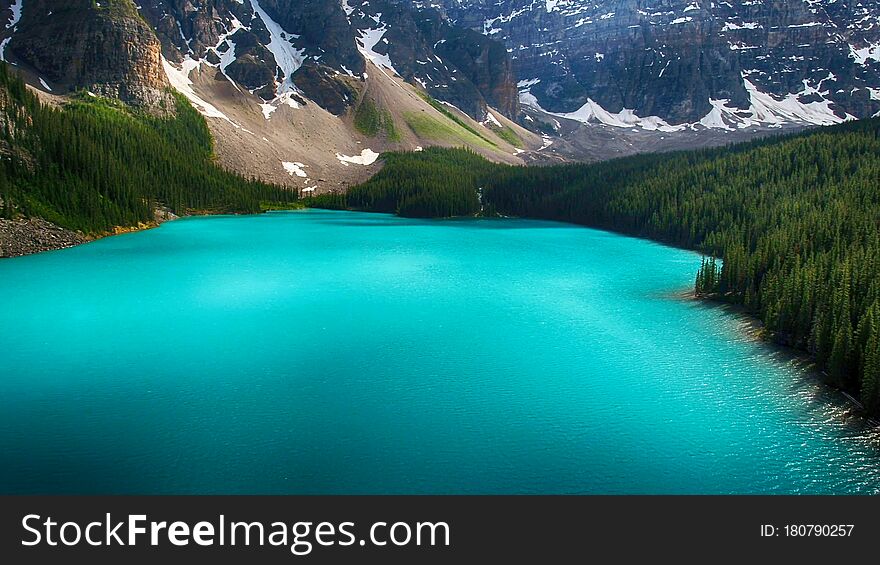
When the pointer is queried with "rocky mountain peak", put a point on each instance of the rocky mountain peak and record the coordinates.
(291, 51)
(635, 66)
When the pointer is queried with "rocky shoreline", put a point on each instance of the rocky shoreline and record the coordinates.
(27, 236)
(33, 235)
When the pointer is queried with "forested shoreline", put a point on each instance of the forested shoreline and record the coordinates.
(794, 222)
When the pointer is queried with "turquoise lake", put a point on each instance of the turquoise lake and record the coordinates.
(336, 352)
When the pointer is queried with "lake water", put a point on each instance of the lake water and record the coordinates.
(335, 352)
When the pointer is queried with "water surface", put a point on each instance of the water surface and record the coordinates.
(333, 352)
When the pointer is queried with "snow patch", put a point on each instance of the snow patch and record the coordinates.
(367, 41)
(3, 45)
(286, 99)
(730, 26)
(288, 57)
(228, 57)
(179, 79)
(44, 85)
(767, 109)
(367, 157)
(721, 116)
(16, 13)
(865, 54)
(294, 169)
(527, 83)
(267, 110)
(491, 119)
(593, 112)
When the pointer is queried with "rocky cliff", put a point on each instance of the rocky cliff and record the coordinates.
(652, 74)
(313, 49)
(669, 63)
(104, 47)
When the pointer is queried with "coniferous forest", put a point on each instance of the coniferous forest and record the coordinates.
(793, 221)
(418, 185)
(95, 163)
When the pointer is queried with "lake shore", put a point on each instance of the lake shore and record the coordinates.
(29, 236)
(754, 330)
(22, 237)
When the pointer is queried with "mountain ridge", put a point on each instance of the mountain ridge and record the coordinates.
(589, 80)
(281, 89)
(673, 64)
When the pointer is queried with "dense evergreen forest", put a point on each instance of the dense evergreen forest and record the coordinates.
(794, 222)
(97, 164)
(418, 185)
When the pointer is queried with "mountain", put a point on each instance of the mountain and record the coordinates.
(306, 93)
(671, 65)
(279, 49)
(320, 87)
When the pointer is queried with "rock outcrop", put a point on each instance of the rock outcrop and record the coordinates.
(104, 47)
(486, 64)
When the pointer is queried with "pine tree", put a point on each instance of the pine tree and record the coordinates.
(870, 383)
(839, 361)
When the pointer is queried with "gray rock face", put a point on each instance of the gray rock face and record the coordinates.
(654, 64)
(313, 48)
(486, 64)
(672, 58)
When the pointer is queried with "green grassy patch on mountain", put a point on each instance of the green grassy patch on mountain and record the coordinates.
(450, 132)
(371, 121)
(507, 134)
(458, 121)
